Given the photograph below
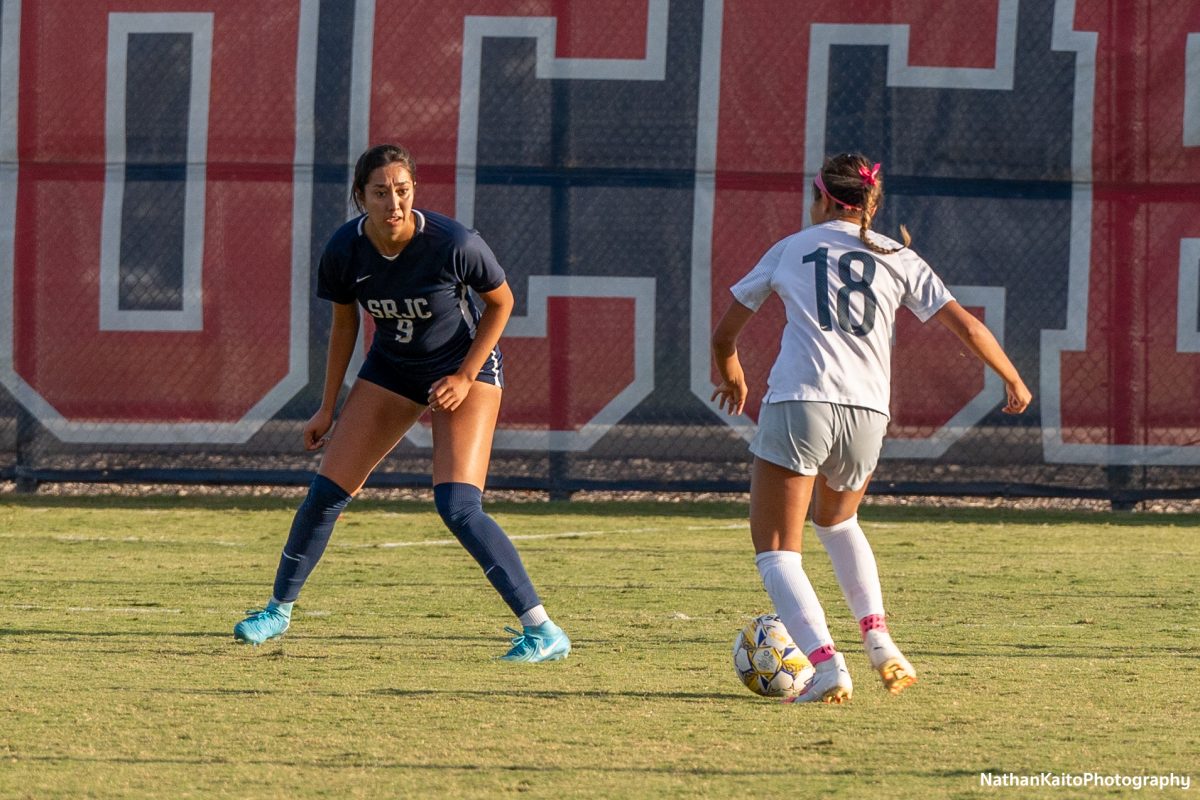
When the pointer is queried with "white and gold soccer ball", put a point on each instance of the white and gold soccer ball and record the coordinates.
(767, 661)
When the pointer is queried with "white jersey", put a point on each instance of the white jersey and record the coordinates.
(841, 301)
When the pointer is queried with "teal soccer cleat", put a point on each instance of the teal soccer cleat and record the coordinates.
(264, 624)
(545, 642)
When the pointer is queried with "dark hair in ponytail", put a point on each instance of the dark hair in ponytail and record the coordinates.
(854, 183)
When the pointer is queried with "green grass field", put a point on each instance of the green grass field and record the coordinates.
(1046, 643)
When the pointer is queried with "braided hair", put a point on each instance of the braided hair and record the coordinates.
(854, 183)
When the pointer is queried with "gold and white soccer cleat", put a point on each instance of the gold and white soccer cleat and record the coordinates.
(895, 670)
(830, 683)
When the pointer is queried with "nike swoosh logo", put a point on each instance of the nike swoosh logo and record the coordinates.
(543, 648)
(360, 280)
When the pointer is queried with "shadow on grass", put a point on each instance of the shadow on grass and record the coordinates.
(154, 634)
(401, 639)
(1038, 651)
(597, 646)
(216, 636)
(754, 769)
(560, 694)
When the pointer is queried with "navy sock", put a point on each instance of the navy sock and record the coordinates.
(461, 508)
(311, 529)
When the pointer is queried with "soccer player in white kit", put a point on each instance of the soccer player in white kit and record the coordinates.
(825, 411)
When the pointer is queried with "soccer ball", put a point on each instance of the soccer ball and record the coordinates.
(767, 661)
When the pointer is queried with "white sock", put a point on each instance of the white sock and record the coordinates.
(854, 565)
(795, 601)
(534, 616)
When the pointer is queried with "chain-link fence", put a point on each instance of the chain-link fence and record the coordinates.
(167, 188)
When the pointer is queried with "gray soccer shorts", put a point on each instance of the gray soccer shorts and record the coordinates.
(841, 443)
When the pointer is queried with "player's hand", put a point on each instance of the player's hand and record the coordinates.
(731, 395)
(448, 393)
(1019, 397)
(316, 430)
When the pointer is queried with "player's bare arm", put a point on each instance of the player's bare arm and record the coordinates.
(731, 393)
(980, 341)
(343, 335)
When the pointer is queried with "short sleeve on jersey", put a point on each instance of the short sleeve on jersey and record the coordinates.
(926, 292)
(334, 281)
(753, 290)
(475, 265)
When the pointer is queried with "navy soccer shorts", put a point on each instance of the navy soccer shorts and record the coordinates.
(413, 383)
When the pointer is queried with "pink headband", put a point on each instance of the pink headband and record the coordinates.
(869, 178)
(821, 185)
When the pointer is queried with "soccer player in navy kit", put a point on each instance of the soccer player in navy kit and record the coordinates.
(411, 270)
(825, 412)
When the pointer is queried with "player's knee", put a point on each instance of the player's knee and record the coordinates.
(457, 503)
(325, 497)
(835, 529)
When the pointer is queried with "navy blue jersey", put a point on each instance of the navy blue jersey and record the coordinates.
(423, 313)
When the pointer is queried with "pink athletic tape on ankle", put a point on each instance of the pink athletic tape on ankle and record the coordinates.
(822, 653)
(872, 622)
